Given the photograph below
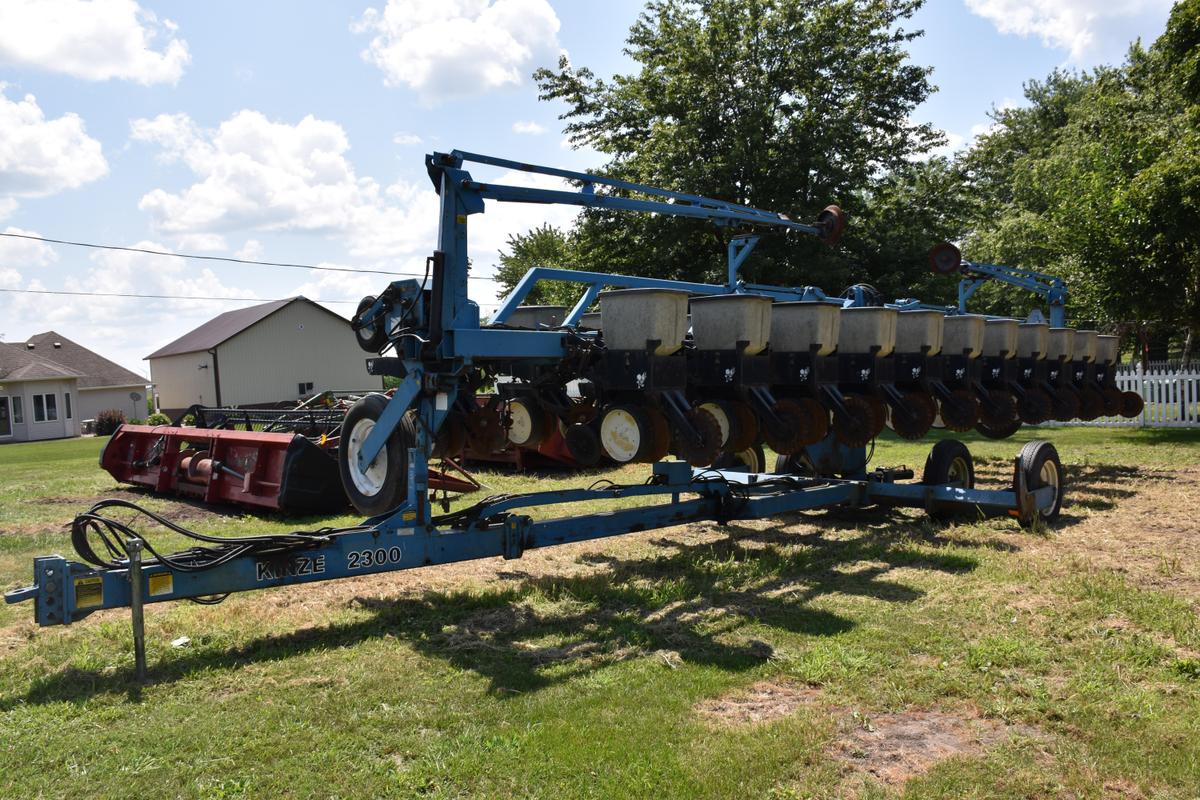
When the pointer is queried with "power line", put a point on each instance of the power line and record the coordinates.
(228, 259)
(178, 296)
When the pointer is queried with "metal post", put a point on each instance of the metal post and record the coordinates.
(135, 605)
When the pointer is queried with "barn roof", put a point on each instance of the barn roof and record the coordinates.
(94, 369)
(18, 364)
(224, 327)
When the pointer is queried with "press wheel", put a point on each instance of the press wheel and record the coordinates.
(1132, 405)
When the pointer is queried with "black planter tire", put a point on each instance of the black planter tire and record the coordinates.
(383, 486)
(373, 337)
(1041, 466)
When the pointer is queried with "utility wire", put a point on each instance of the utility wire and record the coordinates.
(179, 296)
(228, 259)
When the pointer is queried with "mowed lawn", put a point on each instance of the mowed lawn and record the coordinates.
(847, 653)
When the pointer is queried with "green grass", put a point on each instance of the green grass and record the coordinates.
(575, 672)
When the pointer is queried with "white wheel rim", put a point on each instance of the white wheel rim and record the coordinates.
(722, 419)
(1048, 476)
(520, 428)
(957, 474)
(620, 435)
(369, 483)
(749, 457)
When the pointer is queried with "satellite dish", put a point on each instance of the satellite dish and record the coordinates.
(134, 396)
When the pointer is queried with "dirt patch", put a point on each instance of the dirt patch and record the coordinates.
(762, 702)
(892, 748)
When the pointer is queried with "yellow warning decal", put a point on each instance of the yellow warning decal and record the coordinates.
(163, 583)
(408, 516)
(89, 592)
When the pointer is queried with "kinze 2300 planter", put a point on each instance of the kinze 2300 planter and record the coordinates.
(815, 378)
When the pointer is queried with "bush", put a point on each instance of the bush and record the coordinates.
(108, 421)
(158, 418)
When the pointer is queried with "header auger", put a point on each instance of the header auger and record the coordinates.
(709, 373)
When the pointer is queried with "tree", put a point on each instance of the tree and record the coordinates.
(546, 246)
(786, 105)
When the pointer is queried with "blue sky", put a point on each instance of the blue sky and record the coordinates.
(295, 131)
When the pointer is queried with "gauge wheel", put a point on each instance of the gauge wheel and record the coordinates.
(1066, 404)
(949, 464)
(1041, 466)
(373, 337)
(704, 452)
(751, 459)
(854, 423)
(726, 418)
(1035, 407)
(1112, 401)
(626, 433)
(791, 433)
(914, 418)
(382, 486)
(1132, 405)
(960, 411)
(528, 422)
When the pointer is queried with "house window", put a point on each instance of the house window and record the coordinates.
(67, 404)
(18, 409)
(306, 389)
(45, 407)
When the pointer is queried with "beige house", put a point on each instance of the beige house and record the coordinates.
(271, 353)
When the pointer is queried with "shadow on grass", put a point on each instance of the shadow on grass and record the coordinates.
(696, 603)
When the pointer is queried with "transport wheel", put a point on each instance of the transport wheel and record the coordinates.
(704, 452)
(960, 411)
(1000, 412)
(1040, 463)
(792, 432)
(747, 426)
(626, 433)
(528, 422)
(1035, 407)
(1132, 405)
(855, 426)
(1091, 404)
(583, 444)
(751, 459)
(1066, 404)
(915, 417)
(818, 419)
(949, 464)
(661, 444)
(383, 485)
(372, 337)
(1112, 401)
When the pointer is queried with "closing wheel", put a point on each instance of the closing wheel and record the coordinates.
(1112, 401)
(1091, 404)
(1035, 407)
(960, 411)
(747, 427)
(949, 464)
(1041, 466)
(1132, 405)
(818, 419)
(854, 424)
(879, 412)
(382, 486)
(704, 452)
(661, 443)
(626, 433)
(371, 337)
(583, 444)
(1066, 404)
(751, 459)
(999, 411)
(792, 432)
(914, 418)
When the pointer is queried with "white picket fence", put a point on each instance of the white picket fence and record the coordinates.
(1172, 399)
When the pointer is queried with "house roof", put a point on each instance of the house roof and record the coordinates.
(220, 328)
(19, 364)
(94, 369)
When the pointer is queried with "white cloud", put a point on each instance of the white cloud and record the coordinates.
(202, 243)
(252, 250)
(40, 156)
(405, 139)
(1078, 26)
(25, 253)
(530, 128)
(7, 206)
(96, 40)
(456, 48)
